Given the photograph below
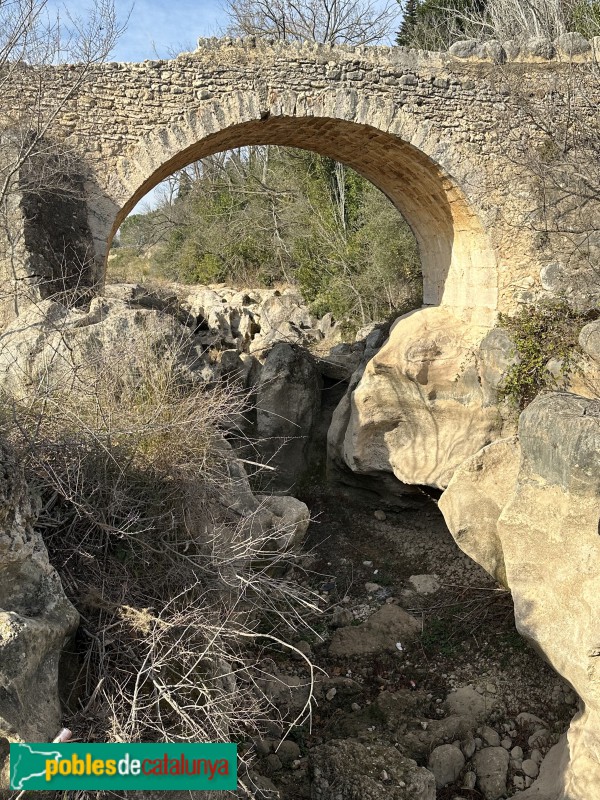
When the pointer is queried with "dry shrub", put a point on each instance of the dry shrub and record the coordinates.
(178, 594)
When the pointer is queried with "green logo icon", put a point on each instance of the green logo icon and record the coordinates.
(76, 765)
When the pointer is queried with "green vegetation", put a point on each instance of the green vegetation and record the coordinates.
(436, 24)
(548, 331)
(268, 215)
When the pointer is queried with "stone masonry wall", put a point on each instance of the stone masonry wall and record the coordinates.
(440, 133)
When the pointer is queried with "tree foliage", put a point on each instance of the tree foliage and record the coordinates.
(260, 216)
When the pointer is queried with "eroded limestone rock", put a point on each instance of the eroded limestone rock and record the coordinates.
(35, 617)
(421, 407)
(50, 346)
(546, 536)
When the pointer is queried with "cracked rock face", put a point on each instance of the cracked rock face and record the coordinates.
(425, 402)
(35, 617)
(538, 531)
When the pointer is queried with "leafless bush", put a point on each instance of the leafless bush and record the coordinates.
(180, 597)
(327, 21)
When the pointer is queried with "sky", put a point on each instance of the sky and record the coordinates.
(158, 28)
(162, 28)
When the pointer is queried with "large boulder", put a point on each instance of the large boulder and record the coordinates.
(252, 320)
(539, 529)
(35, 618)
(423, 403)
(288, 400)
(50, 346)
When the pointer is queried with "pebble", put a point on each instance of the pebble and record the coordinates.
(519, 782)
(380, 515)
(355, 707)
(331, 693)
(304, 647)
(468, 747)
(539, 737)
(506, 743)
(530, 768)
(491, 766)
(384, 776)
(489, 736)
(517, 752)
(469, 780)
(288, 752)
(273, 763)
(371, 587)
(342, 617)
(536, 756)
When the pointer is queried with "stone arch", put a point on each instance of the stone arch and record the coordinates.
(406, 159)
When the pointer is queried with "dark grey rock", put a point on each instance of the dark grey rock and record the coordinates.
(288, 400)
(446, 762)
(491, 766)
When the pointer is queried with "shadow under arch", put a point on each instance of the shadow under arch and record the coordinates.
(458, 262)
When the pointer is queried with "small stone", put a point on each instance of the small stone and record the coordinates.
(491, 766)
(372, 587)
(490, 688)
(517, 752)
(446, 762)
(331, 694)
(273, 763)
(530, 768)
(526, 720)
(468, 747)
(536, 756)
(466, 702)
(424, 584)
(384, 776)
(380, 515)
(341, 617)
(519, 782)
(355, 707)
(528, 782)
(489, 736)
(469, 780)
(538, 738)
(506, 743)
(305, 650)
(288, 752)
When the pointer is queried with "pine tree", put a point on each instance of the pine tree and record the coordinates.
(409, 21)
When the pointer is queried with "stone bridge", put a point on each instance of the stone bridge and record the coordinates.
(439, 133)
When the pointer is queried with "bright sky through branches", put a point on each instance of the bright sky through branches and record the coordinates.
(160, 28)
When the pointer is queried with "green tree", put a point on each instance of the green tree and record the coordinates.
(409, 21)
